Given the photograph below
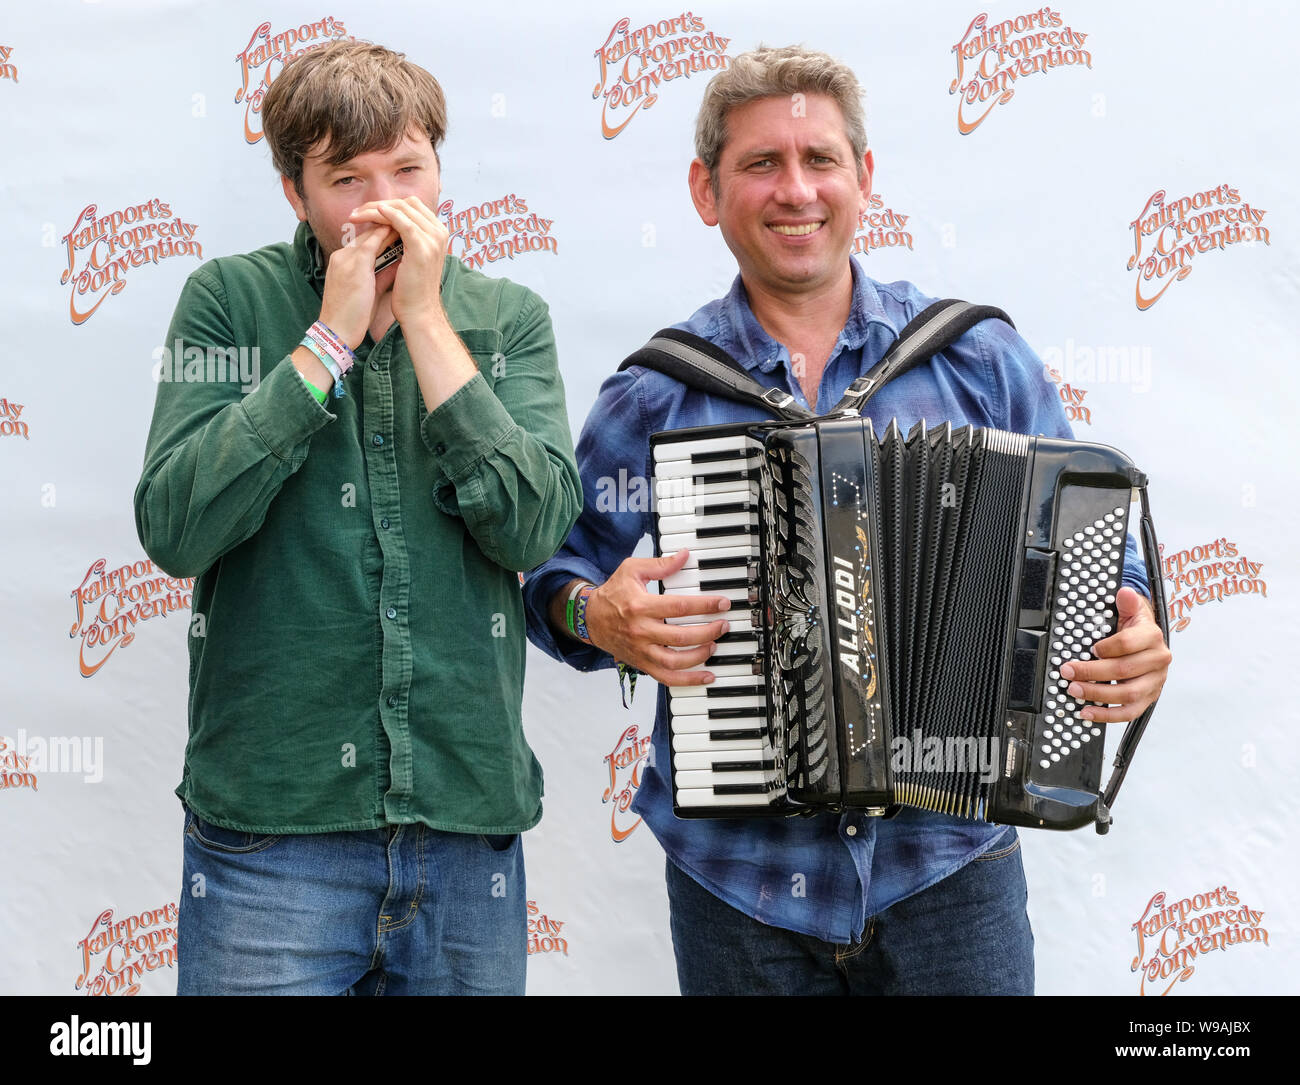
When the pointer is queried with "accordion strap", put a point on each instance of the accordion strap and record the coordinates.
(701, 365)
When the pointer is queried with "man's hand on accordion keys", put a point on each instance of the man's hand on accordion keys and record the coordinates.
(1130, 667)
(631, 624)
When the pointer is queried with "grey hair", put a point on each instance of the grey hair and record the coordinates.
(766, 73)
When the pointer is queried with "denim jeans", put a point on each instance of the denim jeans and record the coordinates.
(966, 934)
(400, 910)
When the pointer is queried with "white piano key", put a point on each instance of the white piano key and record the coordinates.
(725, 670)
(687, 470)
(688, 706)
(692, 522)
(687, 485)
(688, 580)
(702, 742)
(697, 724)
(734, 682)
(706, 759)
(697, 504)
(741, 553)
(704, 796)
(678, 450)
(689, 540)
(705, 778)
(740, 621)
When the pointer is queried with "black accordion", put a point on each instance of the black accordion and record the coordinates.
(901, 607)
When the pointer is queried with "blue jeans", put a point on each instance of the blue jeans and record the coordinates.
(967, 934)
(401, 910)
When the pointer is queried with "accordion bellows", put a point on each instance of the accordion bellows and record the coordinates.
(901, 607)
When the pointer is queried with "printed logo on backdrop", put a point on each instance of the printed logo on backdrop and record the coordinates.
(109, 246)
(544, 932)
(117, 953)
(7, 69)
(993, 58)
(265, 54)
(1208, 573)
(1173, 937)
(24, 757)
(15, 767)
(1072, 366)
(11, 425)
(880, 227)
(634, 65)
(111, 604)
(1169, 234)
(624, 762)
(496, 230)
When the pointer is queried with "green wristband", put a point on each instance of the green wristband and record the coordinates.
(317, 394)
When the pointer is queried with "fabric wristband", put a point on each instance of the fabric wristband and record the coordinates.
(580, 613)
(325, 360)
(570, 610)
(338, 352)
(317, 394)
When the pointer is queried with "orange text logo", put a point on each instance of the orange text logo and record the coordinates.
(111, 603)
(880, 227)
(108, 246)
(1201, 575)
(7, 70)
(10, 424)
(496, 230)
(624, 763)
(15, 768)
(1168, 234)
(116, 953)
(544, 932)
(1176, 934)
(265, 54)
(992, 57)
(633, 64)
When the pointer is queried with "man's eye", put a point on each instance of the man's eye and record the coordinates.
(343, 181)
(409, 169)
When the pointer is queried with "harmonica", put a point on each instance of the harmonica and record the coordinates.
(389, 256)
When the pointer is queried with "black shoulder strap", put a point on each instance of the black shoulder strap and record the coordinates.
(930, 331)
(699, 364)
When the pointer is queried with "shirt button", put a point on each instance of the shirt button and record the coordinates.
(392, 702)
(391, 612)
(377, 439)
(384, 523)
(374, 366)
(440, 449)
(852, 830)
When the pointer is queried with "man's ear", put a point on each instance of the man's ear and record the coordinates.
(868, 166)
(701, 184)
(297, 202)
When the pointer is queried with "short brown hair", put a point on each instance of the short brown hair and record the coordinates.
(358, 96)
(766, 73)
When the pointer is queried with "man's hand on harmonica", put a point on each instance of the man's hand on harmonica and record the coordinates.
(350, 296)
(1135, 658)
(627, 621)
(417, 290)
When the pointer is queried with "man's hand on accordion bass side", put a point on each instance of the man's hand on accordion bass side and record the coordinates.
(1135, 659)
(627, 621)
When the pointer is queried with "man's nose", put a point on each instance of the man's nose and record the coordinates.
(796, 188)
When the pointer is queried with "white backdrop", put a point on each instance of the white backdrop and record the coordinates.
(144, 105)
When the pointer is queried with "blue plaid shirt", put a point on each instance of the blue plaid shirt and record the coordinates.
(822, 875)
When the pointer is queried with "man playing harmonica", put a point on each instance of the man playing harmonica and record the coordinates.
(919, 903)
(356, 775)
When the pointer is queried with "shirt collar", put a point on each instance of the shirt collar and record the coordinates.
(750, 344)
(310, 257)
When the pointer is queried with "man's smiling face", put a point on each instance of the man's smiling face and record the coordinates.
(788, 194)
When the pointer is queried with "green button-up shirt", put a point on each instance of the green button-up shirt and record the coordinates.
(357, 640)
